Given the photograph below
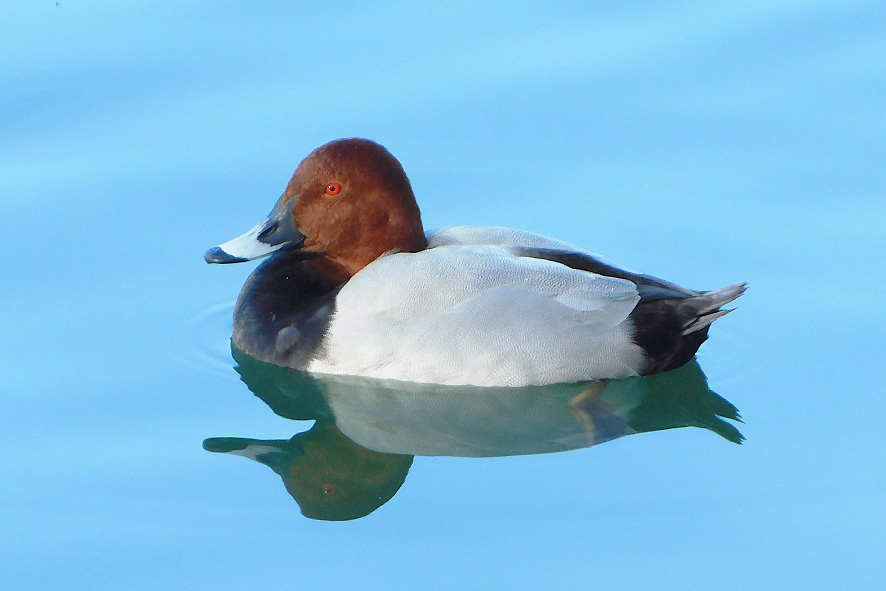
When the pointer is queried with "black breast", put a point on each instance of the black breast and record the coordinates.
(284, 310)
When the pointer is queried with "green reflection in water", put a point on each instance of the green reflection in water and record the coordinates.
(331, 477)
(358, 453)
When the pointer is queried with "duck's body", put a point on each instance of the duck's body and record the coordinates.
(484, 306)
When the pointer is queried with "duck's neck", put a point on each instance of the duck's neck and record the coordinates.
(347, 262)
(336, 271)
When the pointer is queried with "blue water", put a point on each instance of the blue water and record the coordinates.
(702, 143)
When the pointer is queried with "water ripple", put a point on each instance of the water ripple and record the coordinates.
(208, 348)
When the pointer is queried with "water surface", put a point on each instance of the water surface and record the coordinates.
(702, 144)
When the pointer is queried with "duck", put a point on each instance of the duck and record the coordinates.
(353, 285)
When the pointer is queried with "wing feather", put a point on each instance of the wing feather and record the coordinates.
(479, 314)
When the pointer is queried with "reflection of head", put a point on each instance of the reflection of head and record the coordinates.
(330, 477)
(337, 479)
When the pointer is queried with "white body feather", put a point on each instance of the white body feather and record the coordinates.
(469, 311)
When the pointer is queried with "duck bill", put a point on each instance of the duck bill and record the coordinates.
(275, 232)
(278, 454)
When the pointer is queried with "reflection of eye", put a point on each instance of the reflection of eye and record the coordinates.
(329, 490)
(333, 188)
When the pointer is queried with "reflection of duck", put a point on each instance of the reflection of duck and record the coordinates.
(346, 469)
(355, 287)
(331, 477)
(421, 419)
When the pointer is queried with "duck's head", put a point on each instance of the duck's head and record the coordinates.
(348, 201)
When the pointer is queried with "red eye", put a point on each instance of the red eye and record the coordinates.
(333, 188)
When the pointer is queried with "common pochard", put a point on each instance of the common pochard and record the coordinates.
(354, 286)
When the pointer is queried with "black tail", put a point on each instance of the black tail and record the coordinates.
(671, 329)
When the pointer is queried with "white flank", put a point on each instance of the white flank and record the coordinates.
(478, 315)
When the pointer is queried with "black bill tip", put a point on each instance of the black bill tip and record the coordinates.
(225, 444)
(217, 255)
